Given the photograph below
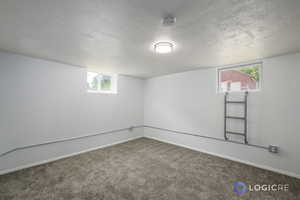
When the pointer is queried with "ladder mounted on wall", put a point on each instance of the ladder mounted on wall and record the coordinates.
(227, 117)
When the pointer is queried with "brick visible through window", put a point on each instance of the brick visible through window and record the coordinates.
(239, 78)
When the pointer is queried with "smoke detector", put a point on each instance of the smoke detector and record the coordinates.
(169, 20)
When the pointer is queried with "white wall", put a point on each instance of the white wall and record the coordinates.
(188, 102)
(45, 101)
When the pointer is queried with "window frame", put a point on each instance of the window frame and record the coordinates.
(228, 67)
(114, 87)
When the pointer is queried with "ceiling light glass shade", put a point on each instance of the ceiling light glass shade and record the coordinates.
(163, 47)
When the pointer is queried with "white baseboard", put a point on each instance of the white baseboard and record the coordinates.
(6, 171)
(229, 158)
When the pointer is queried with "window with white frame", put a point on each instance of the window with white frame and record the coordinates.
(101, 83)
(240, 78)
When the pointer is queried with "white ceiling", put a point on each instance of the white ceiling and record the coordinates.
(117, 35)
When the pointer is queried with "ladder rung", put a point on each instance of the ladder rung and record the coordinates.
(232, 117)
(235, 102)
(235, 133)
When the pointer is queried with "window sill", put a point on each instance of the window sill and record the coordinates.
(102, 92)
(242, 91)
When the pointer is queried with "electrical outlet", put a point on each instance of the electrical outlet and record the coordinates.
(273, 149)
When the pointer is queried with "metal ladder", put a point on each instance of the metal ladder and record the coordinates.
(244, 118)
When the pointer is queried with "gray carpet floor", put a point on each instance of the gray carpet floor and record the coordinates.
(142, 169)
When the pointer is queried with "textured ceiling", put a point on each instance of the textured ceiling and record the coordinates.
(117, 35)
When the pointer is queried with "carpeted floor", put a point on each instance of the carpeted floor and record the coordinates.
(142, 169)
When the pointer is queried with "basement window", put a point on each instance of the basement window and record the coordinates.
(101, 83)
(240, 78)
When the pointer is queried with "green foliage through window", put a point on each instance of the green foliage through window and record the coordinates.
(253, 71)
(106, 83)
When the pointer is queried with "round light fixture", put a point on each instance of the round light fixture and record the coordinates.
(163, 47)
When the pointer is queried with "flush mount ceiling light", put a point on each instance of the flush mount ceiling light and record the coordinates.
(163, 47)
